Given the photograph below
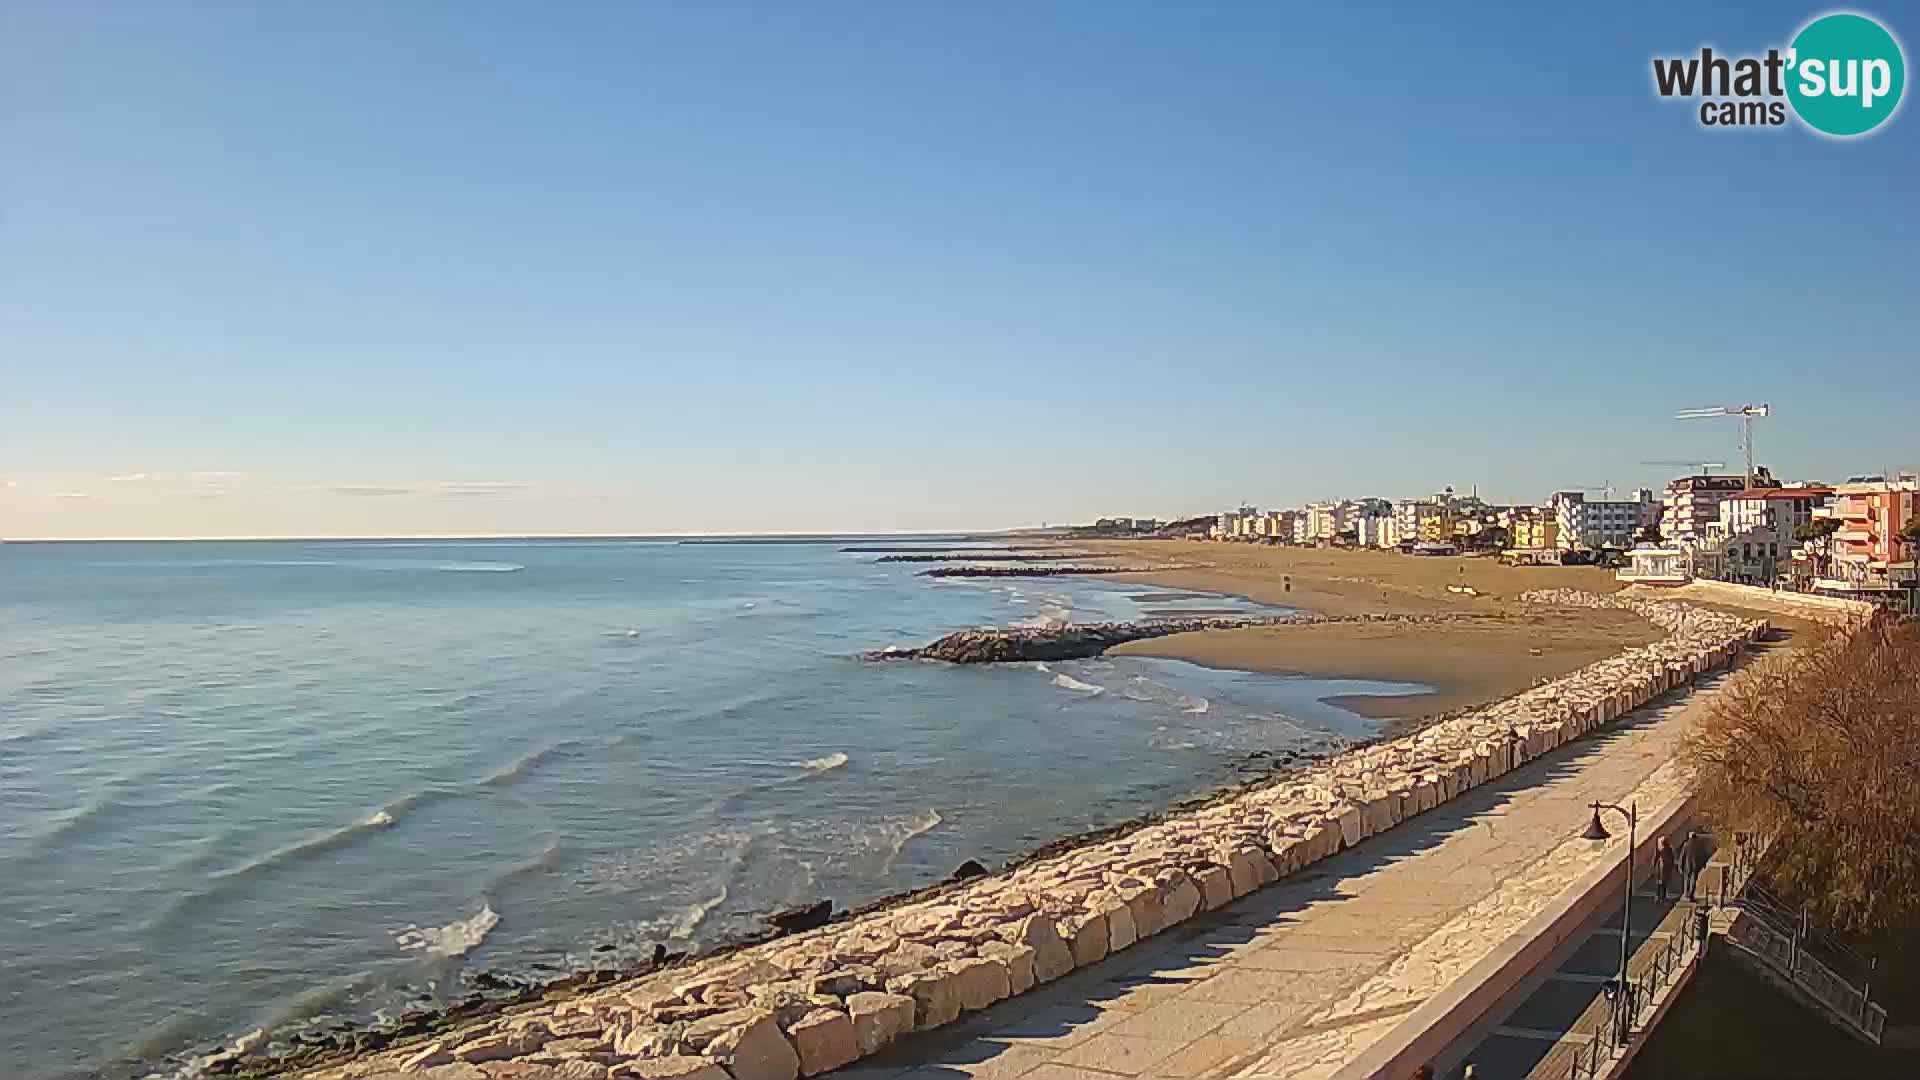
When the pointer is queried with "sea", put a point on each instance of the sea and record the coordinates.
(271, 784)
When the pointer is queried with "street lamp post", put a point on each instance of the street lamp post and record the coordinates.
(1597, 831)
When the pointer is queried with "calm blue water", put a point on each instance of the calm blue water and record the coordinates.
(244, 784)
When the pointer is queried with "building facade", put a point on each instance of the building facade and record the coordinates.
(1752, 540)
(1591, 524)
(1690, 503)
(1533, 529)
(1869, 561)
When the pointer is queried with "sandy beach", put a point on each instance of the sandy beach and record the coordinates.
(1467, 663)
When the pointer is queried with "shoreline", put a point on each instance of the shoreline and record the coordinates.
(490, 993)
(1048, 912)
(1466, 662)
(496, 993)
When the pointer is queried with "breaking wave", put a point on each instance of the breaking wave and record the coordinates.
(1069, 683)
(457, 938)
(823, 764)
(901, 833)
(320, 843)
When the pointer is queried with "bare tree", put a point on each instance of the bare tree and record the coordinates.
(1820, 750)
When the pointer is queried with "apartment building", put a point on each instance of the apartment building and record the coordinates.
(1753, 539)
(1868, 559)
(1601, 523)
(1690, 503)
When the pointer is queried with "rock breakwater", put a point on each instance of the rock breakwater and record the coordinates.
(977, 557)
(804, 1004)
(1077, 641)
(1037, 571)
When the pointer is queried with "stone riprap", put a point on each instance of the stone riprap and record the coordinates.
(1075, 641)
(1039, 571)
(974, 557)
(804, 1004)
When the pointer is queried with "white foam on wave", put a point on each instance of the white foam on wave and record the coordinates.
(320, 843)
(1069, 683)
(457, 938)
(1051, 619)
(478, 567)
(1197, 706)
(697, 912)
(900, 833)
(834, 760)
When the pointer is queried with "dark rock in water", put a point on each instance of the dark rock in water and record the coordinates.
(969, 869)
(1031, 571)
(603, 948)
(805, 917)
(1072, 642)
(659, 954)
(1077, 641)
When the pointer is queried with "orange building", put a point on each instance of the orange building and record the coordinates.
(1869, 561)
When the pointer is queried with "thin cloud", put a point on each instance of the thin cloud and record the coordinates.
(218, 475)
(132, 477)
(372, 491)
(478, 489)
(437, 489)
(72, 495)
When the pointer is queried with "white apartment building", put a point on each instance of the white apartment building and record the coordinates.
(1691, 503)
(1602, 523)
(1410, 514)
(1327, 520)
(1754, 537)
(1371, 530)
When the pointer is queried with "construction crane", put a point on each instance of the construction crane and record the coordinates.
(1746, 413)
(1606, 489)
(1698, 466)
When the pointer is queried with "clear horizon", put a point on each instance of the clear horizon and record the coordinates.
(360, 271)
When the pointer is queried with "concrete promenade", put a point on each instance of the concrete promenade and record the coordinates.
(1296, 980)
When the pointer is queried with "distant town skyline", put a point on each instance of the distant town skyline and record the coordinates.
(439, 270)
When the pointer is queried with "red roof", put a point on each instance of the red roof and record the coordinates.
(1783, 493)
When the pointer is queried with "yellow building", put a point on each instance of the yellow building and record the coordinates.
(1534, 531)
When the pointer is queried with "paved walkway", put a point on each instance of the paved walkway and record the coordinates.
(1297, 979)
(1545, 1033)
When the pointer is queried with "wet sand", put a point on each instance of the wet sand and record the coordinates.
(1467, 663)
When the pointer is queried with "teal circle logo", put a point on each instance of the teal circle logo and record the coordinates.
(1845, 74)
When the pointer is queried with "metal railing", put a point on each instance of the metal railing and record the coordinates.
(1790, 949)
(1611, 1022)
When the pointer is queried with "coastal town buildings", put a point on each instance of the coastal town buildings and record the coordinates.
(1328, 520)
(1533, 529)
(1868, 560)
(1591, 524)
(1691, 502)
(1753, 538)
(1371, 530)
(1414, 519)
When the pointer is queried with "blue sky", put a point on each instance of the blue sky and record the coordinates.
(422, 268)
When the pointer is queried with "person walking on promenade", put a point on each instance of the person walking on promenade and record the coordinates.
(1663, 859)
(1697, 855)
